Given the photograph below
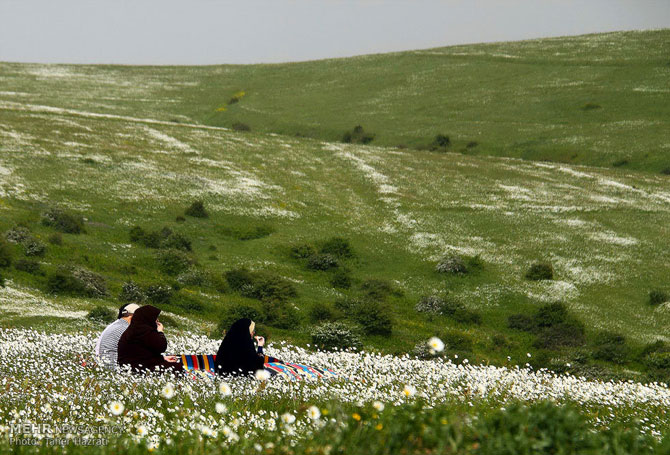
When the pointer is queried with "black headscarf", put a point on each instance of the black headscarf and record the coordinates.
(237, 353)
(143, 322)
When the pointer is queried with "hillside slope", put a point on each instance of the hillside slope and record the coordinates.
(596, 99)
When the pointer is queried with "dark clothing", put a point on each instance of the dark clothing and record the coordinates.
(237, 354)
(141, 345)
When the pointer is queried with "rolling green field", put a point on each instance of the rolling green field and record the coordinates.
(135, 146)
(595, 99)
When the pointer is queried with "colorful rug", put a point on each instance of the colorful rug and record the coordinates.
(291, 371)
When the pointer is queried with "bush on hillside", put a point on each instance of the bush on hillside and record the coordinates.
(341, 279)
(29, 266)
(159, 294)
(17, 234)
(611, 346)
(358, 136)
(63, 221)
(551, 314)
(321, 312)
(375, 318)
(76, 281)
(173, 262)
(192, 277)
(165, 239)
(441, 142)
(457, 341)
(33, 247)
(332, 336)
(379, 289)
(249, 233)
(302, 251)
(2, 281)
(540, 271)
(55, 239)
(239, 126)
(321, 262)
(131, 292)
(282, 315)
(338, 247)
(197, 210)
(235, 312)
(265, 286)
(452, 264)
(430, 304)
(657, 296)
(101, 314)
(5, 254)
(521, 321)
(568, 333)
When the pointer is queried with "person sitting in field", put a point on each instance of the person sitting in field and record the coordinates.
(237, 355)
(142, 345)
(106, 348)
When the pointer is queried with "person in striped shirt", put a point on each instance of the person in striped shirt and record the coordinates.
(107, 346)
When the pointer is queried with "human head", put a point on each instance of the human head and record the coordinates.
(146, 316)
(127, 310)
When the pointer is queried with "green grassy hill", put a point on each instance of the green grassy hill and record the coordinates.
(594, 99)
(125, 147)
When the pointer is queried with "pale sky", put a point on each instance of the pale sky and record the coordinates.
(189, 32)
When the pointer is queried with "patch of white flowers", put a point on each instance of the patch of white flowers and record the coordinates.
(52, 377)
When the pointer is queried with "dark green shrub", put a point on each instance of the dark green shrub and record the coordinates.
(249, 233)
(239, 278)
(321, 312)
(472, 144)
(341, 279)
(621, 162)
(63, 221)
(173, 262)
(321, 262)
(379, 289)
(101, 314)
(165, 238)
(665, 171)
(33, 247)
(431, 304)
(467, 316)
(457, 341)
(137, 234)
(61, 282)
(590, 106)
(347, 305)
(192, 277)
(540, 271)
(331, 336)
(187, 303)
(657, 296)
(451, 264)
(18, 234)
(176, 241)
(235, 312)
(375, 318)
(338, 247)
(569, 333)
(29, 266)
(441, 141)
(132, 293)
(521, 322)
(159, 294)
(551, 314)
(55, 239)
(269, 287)
(611, 347)
(197, 210)
(76, 281)
(281, 315)
(180, 219)
(302, 251)
(2, 281)
(5, 254)
(357, 136)
(239, 126)
(656, 346)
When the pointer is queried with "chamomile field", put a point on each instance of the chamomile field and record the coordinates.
(540, 263)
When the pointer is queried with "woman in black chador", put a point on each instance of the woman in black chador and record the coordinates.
(237, 354)
(142, 344)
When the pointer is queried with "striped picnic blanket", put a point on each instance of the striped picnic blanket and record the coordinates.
(291, 371)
